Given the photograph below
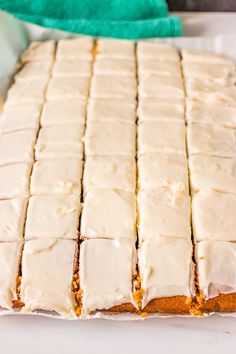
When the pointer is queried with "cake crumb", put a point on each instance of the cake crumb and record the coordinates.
(188, 300)
(143, 314)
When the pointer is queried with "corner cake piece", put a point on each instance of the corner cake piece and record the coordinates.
(161, 137)
(164, 212)
(34, 70)
(114, 67)
(60, 88)
(210, 172)
(47, 274)
(214, 140)
(115, 219)
(117, 49)
(14, 180)
(54, 216)
(167, 274)
(63, 112)
(158, 170)
(22, 117)
(110, 139)
(213, 215)
(156, 51)
(111, 86)
(111, 110)
(161, 87)
(110, 172)
(61, 176)
(13, 214)
(72, 68)
(10, 253)
(17, 147)
(39, 51)
(75, 48)
(106, 269)
(200, 56)
(216, 275)
(154, 110)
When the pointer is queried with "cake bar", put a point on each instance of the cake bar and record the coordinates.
(114, 67)
(72, 68)
(39, 51)
(14, 180)
(156, 51)
(114, 49)
(110, 86)
(75, 48)
(151, 110)
(34, 70)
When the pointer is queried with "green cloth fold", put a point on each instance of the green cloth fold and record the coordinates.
(130, 19)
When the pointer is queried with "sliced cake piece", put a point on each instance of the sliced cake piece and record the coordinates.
(111, 86)
(153, 109)
(156, 51)
(114, 67)
(14, 180)
(72, 68)
(75, 48)
(158, 67)
(38, 51)
(34, 70)
(200, 56)
(61, 88)
(114, 48)
(161, 87)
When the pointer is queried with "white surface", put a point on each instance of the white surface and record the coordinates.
(33, 335)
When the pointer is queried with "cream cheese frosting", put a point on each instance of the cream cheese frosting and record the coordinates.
(113, 172)
(47, 274)
(206, 139)
(213, 216)
(156, 51)
(114, 48)
(60, 88)
(164, 137)
(61, 133)
(106, 271)
(54, 216)
(10, 253)
(158, 67)
(198, 56)
(39, 51)
(17, 147)
(114, 67)
(105, 110)
(34, 70)
(75, 48)
(63, 112)
(13, 214)
(115, 219)
(166, 268)
(59, 150)
(198, 112)
(160, 87)
(216, 267)
(111, 86)
(159, 170)
(110, 139)
(152, 110)
(21, 117)
(14, 180)
(208, 172)
(56, 177)
(164, 212)
(72, 68)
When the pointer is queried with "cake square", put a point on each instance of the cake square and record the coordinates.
(164, 212)
(200, 56)
(110, 139)
(54, 216)
(56, 177)
(166, 268)
(75, 48)
(34, 70)
(10, 253)
(158, 67)
(14, 180)
(160, 170)
(39, 51)
(26, 92)
(214, 140)
(21, 117)
(109, 172)
(17, 147)
(13, 213)
(116, 218)
(164, 137)
(61, 88)
(208, 172)
(114, 48)
(152, 110)
(63, 112)
(60, 141)
(107, 110)
(213, 215)
(161, 86)
(106, 271)
(111, 86)
(114, 67)
(156, 51)
(47, 274)
(199, 112)
(216, 267)
(72, 68)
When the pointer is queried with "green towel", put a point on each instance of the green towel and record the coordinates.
(130, 19)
